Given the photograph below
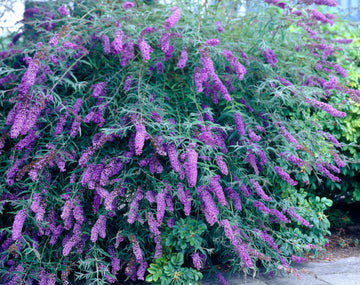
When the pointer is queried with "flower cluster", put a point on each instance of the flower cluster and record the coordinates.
(259, 190)
(99, 228)
(270, 57)
(18, 224)
(239, 124)
(297, 217)
(210, 209)
(285, 176)
(173, 19)
(216, 188)
(222, 165)
(191, 165)
(239, 69)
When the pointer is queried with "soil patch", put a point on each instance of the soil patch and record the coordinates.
(343, 243)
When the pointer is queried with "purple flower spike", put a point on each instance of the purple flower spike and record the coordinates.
(213, 42)
(196, 260)
(183, 59)
(216, 188)
(173, 157)
(161, 206)
(99, 228)
(128, 5)
(191, 165)
(259, 190)
(173, 19)
(297, 217)
(145, 49)
(270, 57)
(221, 279)
(106, 43)
(139, 138)
(239, 69)
(219, 27)
(235, 198)
(239, 124)
(63, 11)
(185, 198)
(117, 44)
(222, 165)
(253, 137)
(261, 207)
(285, 176)
(98, 89)
(210, 209)
(18, 224)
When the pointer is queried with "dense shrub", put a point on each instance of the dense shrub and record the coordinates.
(171, 139)
(348, 130)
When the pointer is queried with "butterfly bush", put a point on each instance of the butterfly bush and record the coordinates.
(115, 129)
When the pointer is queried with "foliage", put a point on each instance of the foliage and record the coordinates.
(173, 143)
(348, 130)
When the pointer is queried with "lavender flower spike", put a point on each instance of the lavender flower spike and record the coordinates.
(191, 165)
(259, 190)
(222, 165)
(139, 138)
(173, 19)
(63, 11)
(128, 5)
(239, 124)
(270, 57)
(18, 224)
(183, 59)
(285, 176)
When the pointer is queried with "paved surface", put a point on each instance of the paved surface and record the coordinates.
(339, 272)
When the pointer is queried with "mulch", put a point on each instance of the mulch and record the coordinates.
(343, 243)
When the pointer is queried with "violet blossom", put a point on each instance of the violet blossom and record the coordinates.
(261, 207)
(285, 176)
(134, 206)
(160, 206)
(289, 137)
(128, 5)
(212, 42)
(173, 157)
(297, 217)
(99, 228)
(191, 165)
(210, 209)
(142, 270)
(18, 223)
(185, 198)
(250, 158)
(326, 107)
(259, 190)
(196, 260)
(153, 225)
(216, 188)
(219, 27)
(117, 43)
(183, 59)
(106, 43)
(63, 11)
(239, 124)
(270, 57)
(222, 165)
(173, 19)
(234, 196)
(239, 69)
(252, 136)
(139, 138)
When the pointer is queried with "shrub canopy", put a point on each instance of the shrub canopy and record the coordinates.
(167, 138)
